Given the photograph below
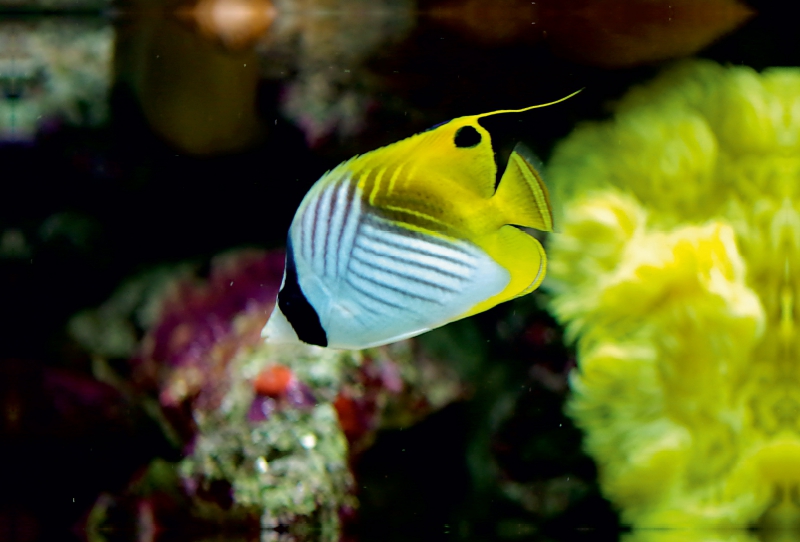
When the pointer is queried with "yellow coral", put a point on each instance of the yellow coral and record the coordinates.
(678, 273)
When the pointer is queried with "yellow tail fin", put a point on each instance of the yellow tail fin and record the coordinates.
(522, 196)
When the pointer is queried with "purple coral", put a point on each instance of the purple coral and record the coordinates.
(202, 325)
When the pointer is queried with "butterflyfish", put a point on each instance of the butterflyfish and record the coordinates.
(409, 237)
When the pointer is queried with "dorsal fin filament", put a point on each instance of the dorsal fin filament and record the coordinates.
(499, 111)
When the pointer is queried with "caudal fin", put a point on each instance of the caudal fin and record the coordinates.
(522, 196)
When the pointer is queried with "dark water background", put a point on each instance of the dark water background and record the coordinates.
(150, 183)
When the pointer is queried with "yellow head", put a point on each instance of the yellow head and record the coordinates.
(457, 149)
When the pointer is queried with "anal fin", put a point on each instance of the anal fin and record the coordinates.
(521, 255)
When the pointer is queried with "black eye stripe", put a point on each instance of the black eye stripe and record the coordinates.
(294, 305)
(467, 137)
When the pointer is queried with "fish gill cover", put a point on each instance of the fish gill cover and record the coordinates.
(677, 277)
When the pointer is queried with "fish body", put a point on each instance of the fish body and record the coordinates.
(408, 237)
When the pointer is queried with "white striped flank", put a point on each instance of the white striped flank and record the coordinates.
(327, 225)
(400, 283)
(373, 281)
(446, 258)
(398, 269)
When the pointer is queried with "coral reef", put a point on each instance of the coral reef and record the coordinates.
(266, 431)
(236, 23)
(53, 72)
(710, 535)
(316, 50)
(676, 274)
(329, 42)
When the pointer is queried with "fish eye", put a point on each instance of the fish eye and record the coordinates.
(467, 137)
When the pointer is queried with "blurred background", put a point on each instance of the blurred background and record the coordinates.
(153, 151)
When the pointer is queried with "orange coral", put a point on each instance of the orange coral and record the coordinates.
(237, 23)
(273, 380)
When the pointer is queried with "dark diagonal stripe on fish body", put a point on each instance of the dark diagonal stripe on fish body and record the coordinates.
(425, 263)
(326, 226)
(382, 224)
(403, 276)
(416, 218)
(326, 223)
(409, 262)
(323, 228)
(315, 222)
(432, 239)
(335, 225)
(414, 250)
(393, 288)
(344, 228)
(382, 232)
(306, 233)
(350, 227)
(372, 296)
(295, 306)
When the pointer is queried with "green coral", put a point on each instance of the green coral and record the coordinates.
(677, 275)
(294, 463)
(289, 465)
